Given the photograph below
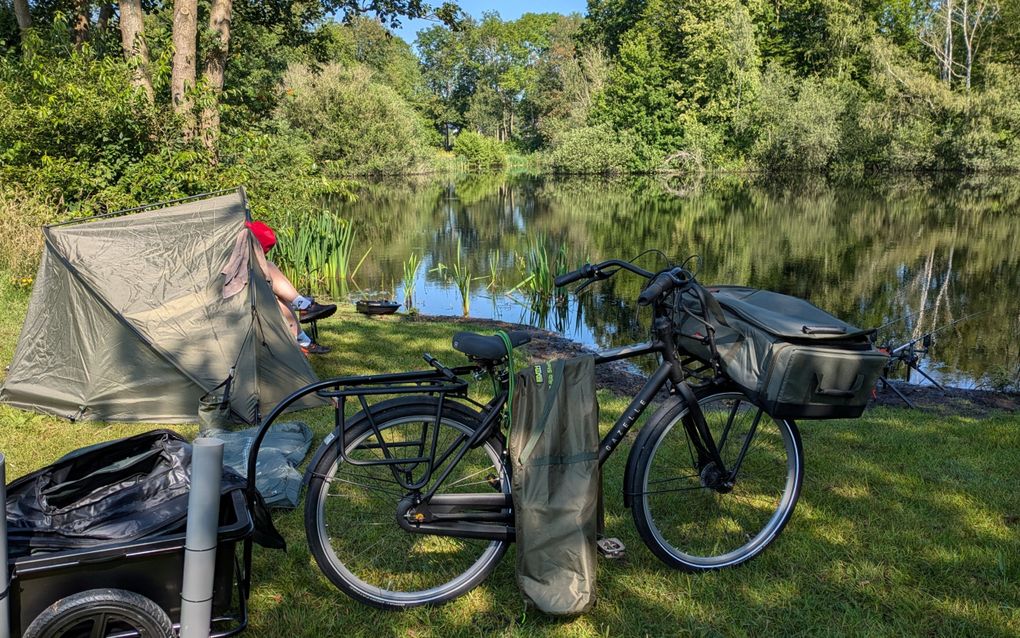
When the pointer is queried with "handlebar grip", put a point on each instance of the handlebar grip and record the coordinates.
(584, 272)
(661, 284)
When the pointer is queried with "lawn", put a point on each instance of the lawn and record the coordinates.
(908, 524)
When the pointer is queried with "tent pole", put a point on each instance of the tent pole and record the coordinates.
(138, 209)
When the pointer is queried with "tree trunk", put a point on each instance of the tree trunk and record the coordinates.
(22, 14)
(967, 42)
(105, 13)
(182, 78)
(215, 68)
(947, 45)
(132, 37)
(80, 25)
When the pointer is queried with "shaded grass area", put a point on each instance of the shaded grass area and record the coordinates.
(909, 524)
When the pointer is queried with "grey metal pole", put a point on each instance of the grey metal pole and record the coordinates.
(200, 537)
(5, 576)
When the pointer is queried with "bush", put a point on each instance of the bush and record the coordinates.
(480, 151)
(799, 123)
(21, 216)
(593, 150)
(355, 124)
(72, 124)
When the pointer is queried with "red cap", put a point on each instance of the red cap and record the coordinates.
(263, 233)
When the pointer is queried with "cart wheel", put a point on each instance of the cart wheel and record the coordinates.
(99, 613)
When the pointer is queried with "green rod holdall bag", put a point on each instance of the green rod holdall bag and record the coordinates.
(554, 441)
(793, 359)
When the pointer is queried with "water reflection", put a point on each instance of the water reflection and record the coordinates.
(926, 251)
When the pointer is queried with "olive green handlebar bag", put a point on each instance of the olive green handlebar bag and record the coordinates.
(554, 442)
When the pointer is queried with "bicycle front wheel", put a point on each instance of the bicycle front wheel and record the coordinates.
(687, 515)
(350, 510)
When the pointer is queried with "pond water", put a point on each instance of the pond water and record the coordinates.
(907, 254)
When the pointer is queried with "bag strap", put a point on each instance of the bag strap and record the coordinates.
(710, 309)
(226, 384)
(543, 420)
(512, 383)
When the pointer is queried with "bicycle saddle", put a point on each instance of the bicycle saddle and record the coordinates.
(486, 348)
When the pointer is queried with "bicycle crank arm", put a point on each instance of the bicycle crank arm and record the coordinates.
(480, 516)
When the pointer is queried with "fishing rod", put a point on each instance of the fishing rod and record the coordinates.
(910, 356)
(927, 337)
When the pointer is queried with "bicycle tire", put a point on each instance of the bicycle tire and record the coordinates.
(681, 520)
(102, 612)
(389, 579)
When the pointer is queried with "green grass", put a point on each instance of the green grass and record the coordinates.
(909, 524)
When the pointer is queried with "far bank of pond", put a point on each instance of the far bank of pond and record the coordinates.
(907, 254)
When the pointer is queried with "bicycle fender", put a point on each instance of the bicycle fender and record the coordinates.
(647, 434)
(378, 409)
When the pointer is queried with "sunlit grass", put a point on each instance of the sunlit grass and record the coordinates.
(908, 525)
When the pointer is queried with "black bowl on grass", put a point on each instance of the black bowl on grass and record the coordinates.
(376, 307)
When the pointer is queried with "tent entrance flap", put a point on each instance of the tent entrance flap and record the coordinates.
(128, 321)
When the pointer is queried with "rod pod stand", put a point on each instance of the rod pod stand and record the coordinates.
(5, 575)
(200, 537)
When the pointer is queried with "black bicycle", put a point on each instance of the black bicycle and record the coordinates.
(409, 499)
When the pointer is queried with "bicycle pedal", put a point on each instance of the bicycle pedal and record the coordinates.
(611, 547)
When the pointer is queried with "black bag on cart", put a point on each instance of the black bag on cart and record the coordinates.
(113, 492)
(790, 357)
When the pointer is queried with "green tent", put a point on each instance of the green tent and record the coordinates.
(130, 318)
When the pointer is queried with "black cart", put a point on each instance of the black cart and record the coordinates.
(129, 589)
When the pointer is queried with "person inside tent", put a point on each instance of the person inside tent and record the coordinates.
(296, 308)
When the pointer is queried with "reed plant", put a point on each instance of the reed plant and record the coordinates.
(495, 270)
(411, 266)
(540, 266)
(460, 274)
(317, 253)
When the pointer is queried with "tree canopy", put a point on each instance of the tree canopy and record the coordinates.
(108, 103)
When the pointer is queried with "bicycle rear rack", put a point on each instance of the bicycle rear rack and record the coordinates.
(430, 383)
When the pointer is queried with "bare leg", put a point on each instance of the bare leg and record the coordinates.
(288, 316)
(282, 287)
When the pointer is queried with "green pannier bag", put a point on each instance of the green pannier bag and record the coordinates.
(554, 441)
(790, 357)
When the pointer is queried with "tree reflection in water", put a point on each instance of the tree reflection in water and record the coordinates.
(930, 250)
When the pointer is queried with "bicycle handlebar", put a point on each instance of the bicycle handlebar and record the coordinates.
(661, 284)
(584, 272)
(589, 271)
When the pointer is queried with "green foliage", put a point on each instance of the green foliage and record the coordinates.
(540, 266)
(594, 150)
(71, 123)
(798, 123)
(317, 252)
(356, 125)
(22, 213)
(410, 279)
(480, 151)
(367, 42)
(318, 90)
(459, 273)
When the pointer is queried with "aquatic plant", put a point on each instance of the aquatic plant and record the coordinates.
(541, 269)
(316, 252)
(411, 266)
(494, 270)
(460, 273)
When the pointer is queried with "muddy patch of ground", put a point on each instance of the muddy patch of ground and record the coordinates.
(620, 378)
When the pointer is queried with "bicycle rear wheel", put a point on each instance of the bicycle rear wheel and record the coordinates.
(686, 516)
(350, 510)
